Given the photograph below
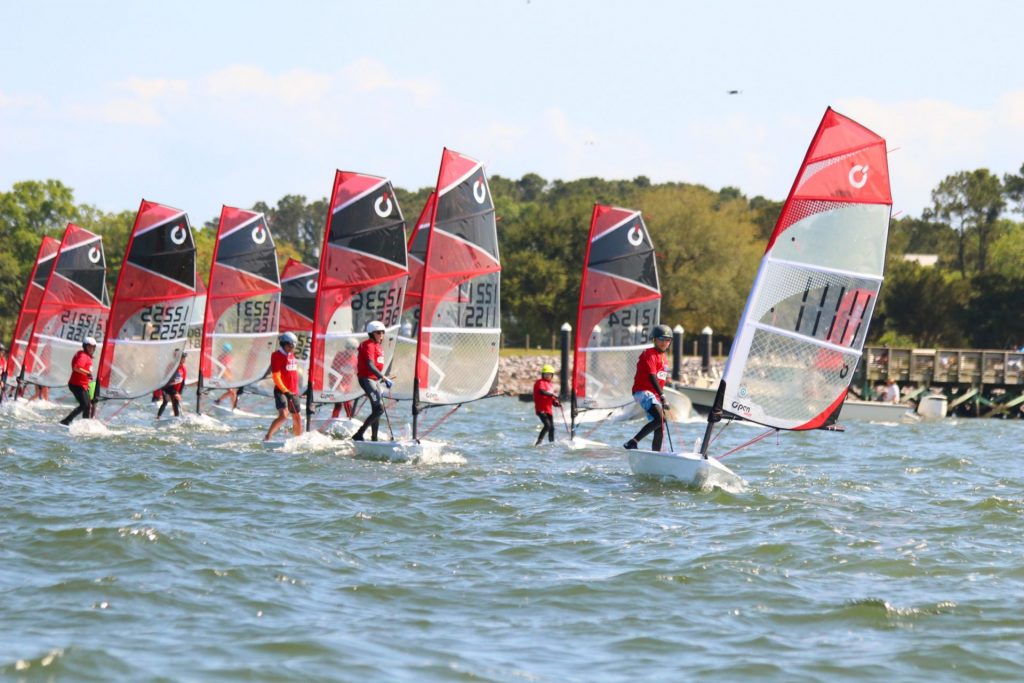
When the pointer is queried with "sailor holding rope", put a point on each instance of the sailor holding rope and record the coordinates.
(370, 370)
(648, 385)
(544, 397)
(284, 370)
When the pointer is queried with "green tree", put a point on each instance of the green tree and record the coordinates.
(991, 317)
(920, 303)
(971, 202)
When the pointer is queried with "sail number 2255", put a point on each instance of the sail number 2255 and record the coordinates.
(165, 322)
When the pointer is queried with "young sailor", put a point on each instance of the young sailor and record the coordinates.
(172, 390)
(224, 364)
(544, 397)
(370, 369)
(78, 383)
(284, 370)
(648, 384)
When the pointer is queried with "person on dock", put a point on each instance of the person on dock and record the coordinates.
(891, 392)
(171, 392)
(284, 370)
(370, 371)
(648, 385)
(80, 380)
(544, 397)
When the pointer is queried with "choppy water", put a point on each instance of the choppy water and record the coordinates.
(187, 552)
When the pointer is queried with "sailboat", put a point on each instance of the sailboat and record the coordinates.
(803, 328)
(74, 305)
(243, 304)
(41, 268)
(452, 308)
(619, 305)
(363, 275)
(147, 329)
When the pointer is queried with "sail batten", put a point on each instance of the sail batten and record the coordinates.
(805, 322)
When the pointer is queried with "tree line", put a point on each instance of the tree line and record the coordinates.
(708, 245)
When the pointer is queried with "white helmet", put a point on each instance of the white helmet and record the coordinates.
(374, 326)
(289, 338)
(89, 341)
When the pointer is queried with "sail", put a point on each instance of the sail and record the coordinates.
(298, 305)
(363, 274)
(74, 305)
(460, 316)
(619, 304)
(801, 334)
(403, 364)
(30, 305)
(195, 333)
(242, 302)
(149, 317)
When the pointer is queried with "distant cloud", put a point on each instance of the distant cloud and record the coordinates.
(368, 75)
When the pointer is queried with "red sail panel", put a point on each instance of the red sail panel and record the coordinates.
(404, 360)
(30, 305)
(152, 308)
(74, 306)
(845, 163)
(363, 274)
(242, 302)
(619, 304)
(298, 304)
(460, 327)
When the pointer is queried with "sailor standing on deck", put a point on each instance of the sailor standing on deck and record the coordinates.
(544, 397)
(370, 369)
(81, 377)
(284, 370)
(172, 390)
(648, 385)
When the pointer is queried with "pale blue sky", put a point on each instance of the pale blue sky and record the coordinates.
(198, 104)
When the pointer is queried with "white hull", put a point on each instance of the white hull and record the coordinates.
(402, 450)
(691, 469)
(933, 406)
(578, 443)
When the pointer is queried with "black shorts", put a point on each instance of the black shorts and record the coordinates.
(281, 401)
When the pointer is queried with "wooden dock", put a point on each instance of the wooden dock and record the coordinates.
(977, 382)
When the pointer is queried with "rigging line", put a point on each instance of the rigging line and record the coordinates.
(757, 438)
(438, 423)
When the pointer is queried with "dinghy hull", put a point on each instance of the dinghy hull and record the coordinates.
(691, 469)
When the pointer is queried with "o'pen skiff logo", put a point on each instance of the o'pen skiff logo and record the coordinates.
(636, 235)
(94, 254)
(479, 191)
(178, 234)
(858, 176)
(259, 234)
(383, 205)
(311, 286)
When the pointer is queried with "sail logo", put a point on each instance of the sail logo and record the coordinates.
(479, 191)
(383, 205)
(178, 234)
(858, 176)
(635, 236)
(259, 234)
(94, 255)
(311, 286)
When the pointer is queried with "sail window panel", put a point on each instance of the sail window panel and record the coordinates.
(455, 362)
(787, 381)
(138, 366)
(830, 307)
(608, 379)
(848, 237)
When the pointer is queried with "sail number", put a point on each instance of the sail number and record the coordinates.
(478, 305)
(77, 325)
(256, 316)
(840, 322)
(381, 304)
(165, 322)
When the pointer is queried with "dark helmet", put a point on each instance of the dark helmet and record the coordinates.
(661, 332)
